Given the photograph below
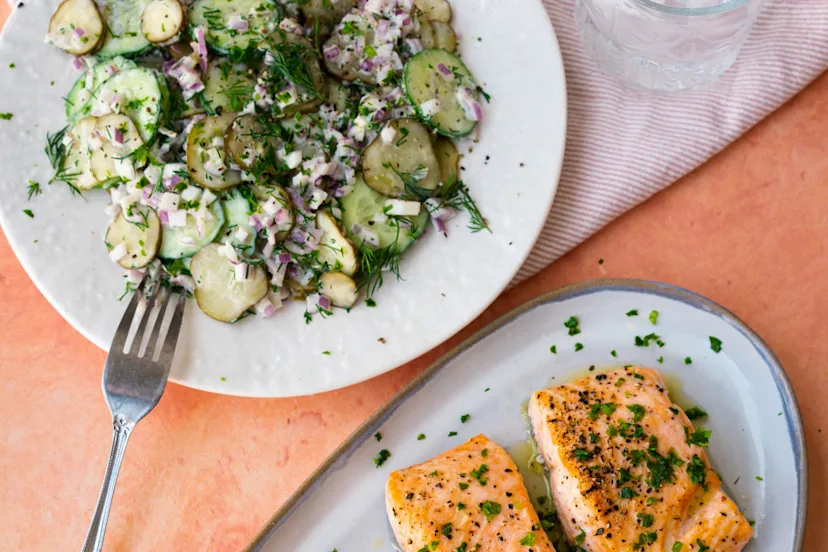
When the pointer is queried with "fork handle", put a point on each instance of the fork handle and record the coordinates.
(122, 429)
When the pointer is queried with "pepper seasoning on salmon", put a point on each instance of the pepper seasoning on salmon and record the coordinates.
(469, 499)
(627, 469)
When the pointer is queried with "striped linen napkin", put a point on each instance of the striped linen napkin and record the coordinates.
(624, 146)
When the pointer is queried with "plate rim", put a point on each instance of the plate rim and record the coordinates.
(793, 414)
(555, 60)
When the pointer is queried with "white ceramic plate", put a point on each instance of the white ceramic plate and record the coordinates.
(447, 282)
(757, 430)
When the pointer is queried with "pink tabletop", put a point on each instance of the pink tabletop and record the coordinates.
(205, 472)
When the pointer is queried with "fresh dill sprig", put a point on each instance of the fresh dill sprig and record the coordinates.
(204, 101)
(214, 19)
(456, 195)
(373, 262)
(56, 152)
(34, 189)
(411, 180)
(239, 94)
(290, 63)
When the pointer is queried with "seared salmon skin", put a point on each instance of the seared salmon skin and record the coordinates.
(627, 469)
(469, 499)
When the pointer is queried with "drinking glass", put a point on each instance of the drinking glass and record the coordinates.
(665, 45)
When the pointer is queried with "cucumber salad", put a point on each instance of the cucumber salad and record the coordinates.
(258, 151)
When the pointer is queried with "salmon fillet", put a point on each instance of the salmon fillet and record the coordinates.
(470, 498)
(627, 470)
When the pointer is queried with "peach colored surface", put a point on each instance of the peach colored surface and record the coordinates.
(204, 472)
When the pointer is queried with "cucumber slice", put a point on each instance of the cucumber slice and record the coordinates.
(227, 87)
(140, 97)
(206, 157)
(72, 18)
(365, 207)
(214, 16)
(137, 241)
(219, 294)
(334, 249)
(78, 160)
(118, 141)
(248, 142)
(444, 36)
(184, 241)
(325, 11)
(84, 88)
(435, 10)
(339, 288)
(123, 25)
(427, 38)
(448, 158)
(423, 82)
(237, 221)
(162, 20)
(405, 165)
(356, 27)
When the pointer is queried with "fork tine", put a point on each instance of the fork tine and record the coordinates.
(122, 333)
(171, 339)
(152, 344)
(144, 319)
(152, 322)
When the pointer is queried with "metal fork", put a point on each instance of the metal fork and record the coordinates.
(134, 379)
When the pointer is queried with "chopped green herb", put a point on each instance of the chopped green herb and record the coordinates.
(697, 471)
(613, 353)
(484, 453)
(553, 349)
(647, 339)
(573, 324)
(624, 475)
(695, 413)
(759, 478)
(461, 506)
(606, 408)
(28, 213)
(463, 486)
(463, 547)
(652, 500)
(580, 538)
(715, 344)
(638, 411)
(582, 454)
(752, 522)
(33, 189)
(326, 353)
(644, 539)
(382, 457)
(700, 437)
(593, 438)
(702, 547)
(646, 520)
(660, 360)
(578, 347)
(619, 382)
(688, 360)
(677, 546)
(527, 540)
(421, 437)
(628, 493)
(445, 530)
(490, 509)
(654, 317)
(370, 303)
(452, 433)
(464, 418)
(478, 474)
(378, 436)
(633, 312)
(6, 116)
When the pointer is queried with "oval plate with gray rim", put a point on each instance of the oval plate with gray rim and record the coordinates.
(757, 445)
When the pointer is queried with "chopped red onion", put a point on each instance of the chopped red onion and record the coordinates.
(331, 52)
(119, 136)
(284, 258)
(444, 70)
(237, 23)
(201, 48)
(79, 31)
(77, 63)
(265, 308)
(382, 28)
(164, 217)
(367, 66)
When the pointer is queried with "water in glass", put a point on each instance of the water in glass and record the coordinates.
(665, 45)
